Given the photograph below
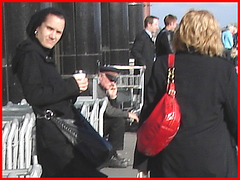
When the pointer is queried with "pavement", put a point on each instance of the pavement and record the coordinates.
(128, 152)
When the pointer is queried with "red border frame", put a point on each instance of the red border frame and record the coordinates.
(236, 1)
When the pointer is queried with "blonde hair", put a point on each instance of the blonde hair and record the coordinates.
(199, 32)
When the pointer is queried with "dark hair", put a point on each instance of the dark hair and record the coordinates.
(39, 17)
(149, 19)
(169, 19)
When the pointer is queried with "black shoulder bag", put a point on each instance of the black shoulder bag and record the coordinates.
(83, 136)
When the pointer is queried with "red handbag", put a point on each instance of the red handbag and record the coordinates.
(163, 123)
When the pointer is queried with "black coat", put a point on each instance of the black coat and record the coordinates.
(143, 50)
(44, 88)
(205, 145)
(164, 42)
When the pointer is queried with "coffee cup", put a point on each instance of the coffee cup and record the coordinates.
(79, 74)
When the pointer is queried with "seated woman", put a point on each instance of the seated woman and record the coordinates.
(44, 89)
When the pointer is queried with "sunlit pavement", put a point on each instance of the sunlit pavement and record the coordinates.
(129, 146)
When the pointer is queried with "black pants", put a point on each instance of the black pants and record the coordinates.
(58, 157)
(227, 54)
(114, 129)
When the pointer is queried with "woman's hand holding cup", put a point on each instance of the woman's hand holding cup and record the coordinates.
(82, 81)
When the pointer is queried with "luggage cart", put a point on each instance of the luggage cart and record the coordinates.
(19, 158)
(130, 85)
(93, 110)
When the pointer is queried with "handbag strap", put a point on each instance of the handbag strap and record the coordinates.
(171, 75)
(171, 60)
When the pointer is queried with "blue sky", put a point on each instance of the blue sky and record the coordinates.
(225, 13)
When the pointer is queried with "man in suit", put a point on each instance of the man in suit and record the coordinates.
(165, 36)
(143, 49)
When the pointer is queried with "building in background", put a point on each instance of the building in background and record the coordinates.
(96, 33)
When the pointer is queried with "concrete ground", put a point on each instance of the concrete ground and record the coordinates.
(128, 152)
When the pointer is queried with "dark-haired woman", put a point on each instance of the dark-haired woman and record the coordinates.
(44, 89)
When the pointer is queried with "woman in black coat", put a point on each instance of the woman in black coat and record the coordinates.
(44, 89)
(206, 85)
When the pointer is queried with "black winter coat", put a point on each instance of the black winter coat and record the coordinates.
(164, 42)
(205, 145)
(44, 88)
(143, 50)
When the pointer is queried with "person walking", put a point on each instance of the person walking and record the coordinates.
(206, 86)
(44, 89)
(165, 36)
(143, 49)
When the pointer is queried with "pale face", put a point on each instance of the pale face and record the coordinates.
(50, 31)
(173, 25)
(105, 82)
(154, 26)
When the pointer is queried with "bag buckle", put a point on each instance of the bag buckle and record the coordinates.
(48, 114)
(172, 92)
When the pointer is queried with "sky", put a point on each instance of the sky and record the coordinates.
(225, 13)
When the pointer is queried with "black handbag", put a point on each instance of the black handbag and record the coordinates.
(83, 136)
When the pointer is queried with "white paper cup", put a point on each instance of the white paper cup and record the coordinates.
(80, 74)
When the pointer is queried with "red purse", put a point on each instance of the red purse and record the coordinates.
(163, 123)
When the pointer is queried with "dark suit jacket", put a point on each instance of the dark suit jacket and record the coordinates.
(207, 95)
(143, 51)
(164, 42)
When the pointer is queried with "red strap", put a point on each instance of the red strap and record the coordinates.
(171, 60)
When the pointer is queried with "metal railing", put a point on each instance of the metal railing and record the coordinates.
(131, 79)
(19, 158)
(93, 110)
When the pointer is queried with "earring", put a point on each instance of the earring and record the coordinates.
(35, 32)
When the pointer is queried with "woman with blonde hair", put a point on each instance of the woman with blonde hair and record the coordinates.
(206, 85)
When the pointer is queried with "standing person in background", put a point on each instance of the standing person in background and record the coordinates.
(44, 89)
(165, 36)
(143, 49)
(234, 51)
(206, 86)
(235, 37)
(227, 40)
